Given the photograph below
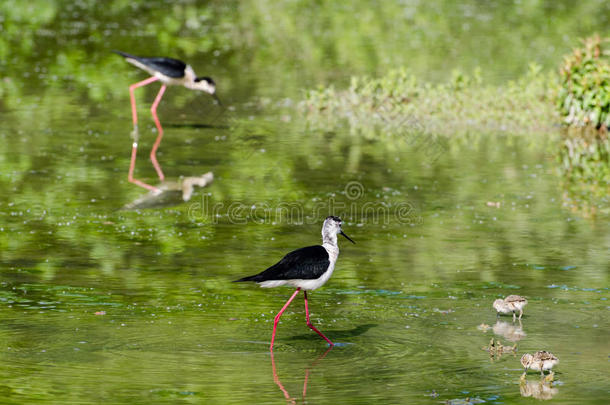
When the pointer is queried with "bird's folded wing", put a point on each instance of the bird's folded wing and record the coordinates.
(306, 263)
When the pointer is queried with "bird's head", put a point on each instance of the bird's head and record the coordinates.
(206, 84)
(526, 360)
(332, 226)
(499, 304)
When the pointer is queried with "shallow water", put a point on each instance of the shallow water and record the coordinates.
(102, 304)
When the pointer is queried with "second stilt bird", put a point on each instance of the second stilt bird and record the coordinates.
(307, 268)
(170, 72)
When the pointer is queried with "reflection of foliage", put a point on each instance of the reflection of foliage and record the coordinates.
(19, 25)
(585, 165)
(585, 155)
(585, 199)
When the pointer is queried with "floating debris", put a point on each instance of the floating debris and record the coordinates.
(465, 401)
(443, 311)
(433, 394)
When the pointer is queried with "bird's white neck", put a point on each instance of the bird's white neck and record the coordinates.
(200, 85)
(329, 242)
(333, 252)
(189, 75)
(329, 237)
(190, 81)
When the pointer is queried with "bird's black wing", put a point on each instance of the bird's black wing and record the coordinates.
(167, 66)
(307, 263)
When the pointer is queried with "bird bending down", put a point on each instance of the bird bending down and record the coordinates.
(306, 269)
(170, 72)
(541, 360)
(512, 303)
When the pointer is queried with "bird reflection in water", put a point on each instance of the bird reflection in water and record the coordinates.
(496, 349)
(537, 389)
(276, 379)
(509, 331)
(170, 193)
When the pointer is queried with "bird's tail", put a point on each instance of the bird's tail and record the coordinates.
(249, 278)
(124, 54)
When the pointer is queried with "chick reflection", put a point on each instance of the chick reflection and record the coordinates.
(276, 379)
(496, 349)
(171, 193)
(537, 389)
(509, 331)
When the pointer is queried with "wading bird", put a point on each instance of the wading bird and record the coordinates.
(170, 72)
(541, 360)
(307, 268)
(512, 303)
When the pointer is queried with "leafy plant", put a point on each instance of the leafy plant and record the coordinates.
(584, 96)
(583, 100)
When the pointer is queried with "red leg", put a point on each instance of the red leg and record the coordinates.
(153, 152)
(307, 370)
(276, 380)
(311, 325)
(134, 111)
(132, 165)
(279, 315)
(134, 148)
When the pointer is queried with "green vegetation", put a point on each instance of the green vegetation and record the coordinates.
(400, 106)
(400, 103)
(584, 95)
(584, 104)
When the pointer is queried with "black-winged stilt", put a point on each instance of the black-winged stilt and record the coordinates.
(307, 268)
(170, 72)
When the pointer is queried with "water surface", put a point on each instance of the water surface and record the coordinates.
(103, 304)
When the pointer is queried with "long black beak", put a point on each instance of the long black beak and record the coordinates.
(217, 99)
(347, 237)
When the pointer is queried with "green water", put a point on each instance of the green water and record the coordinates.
(104, 305)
